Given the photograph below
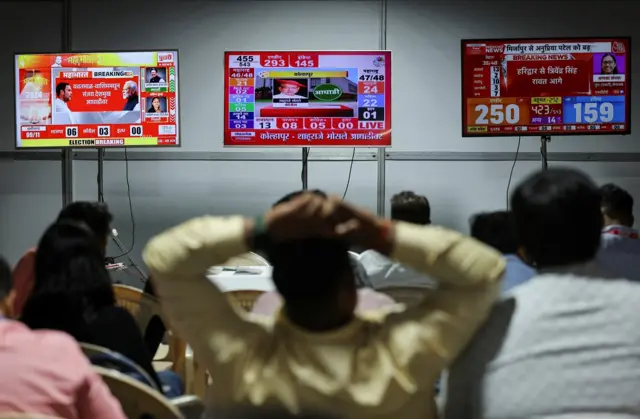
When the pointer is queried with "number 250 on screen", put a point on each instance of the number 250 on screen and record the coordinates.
(498, 114)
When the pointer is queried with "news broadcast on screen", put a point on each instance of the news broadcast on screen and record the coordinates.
(308, 98)
(100, 99)
(546, 87)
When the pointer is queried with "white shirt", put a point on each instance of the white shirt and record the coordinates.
(283, 96)
(63, 114)
(620, 251)
(385, 273)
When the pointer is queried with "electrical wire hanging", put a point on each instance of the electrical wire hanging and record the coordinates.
(133, 220)
(515, 160)
(353, 156)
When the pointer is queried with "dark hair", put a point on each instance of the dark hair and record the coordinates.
(616, 202)
(557, 217)
(95, 215)
(496, 229)
(71, 282)
(5, 278)
(412, 208)
(60, 88)
(615, 61)
(308, 270)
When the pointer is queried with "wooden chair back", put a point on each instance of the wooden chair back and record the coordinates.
(137, 399)
(93, 351)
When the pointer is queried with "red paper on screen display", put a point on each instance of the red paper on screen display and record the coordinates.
(97, 95)
(548, 78)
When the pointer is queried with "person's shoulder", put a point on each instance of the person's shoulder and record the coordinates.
(53, 344)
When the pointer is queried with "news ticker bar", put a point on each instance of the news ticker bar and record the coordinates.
(101, 142)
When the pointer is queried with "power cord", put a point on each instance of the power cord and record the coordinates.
(353, 157)
(133, 220)
(515, 160)
(305, 165)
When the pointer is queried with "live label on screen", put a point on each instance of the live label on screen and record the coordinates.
(307, 98)
(114, 99)
(545, 87)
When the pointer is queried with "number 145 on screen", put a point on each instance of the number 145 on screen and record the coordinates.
(593, 110)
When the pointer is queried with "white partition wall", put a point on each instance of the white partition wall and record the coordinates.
(460, 176)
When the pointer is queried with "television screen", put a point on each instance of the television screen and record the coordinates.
(539, 87)
(97, 99)
(307, 98)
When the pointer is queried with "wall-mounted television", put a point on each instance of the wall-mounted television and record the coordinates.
(307, 98)
(544, 87)
(97, 99)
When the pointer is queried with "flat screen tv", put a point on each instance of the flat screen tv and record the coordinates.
(544, 87)
(307, 98)
(97, 99)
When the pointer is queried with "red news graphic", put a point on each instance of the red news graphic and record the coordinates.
(307, 99)
(97, 91)
(97, 99)
(545, 87)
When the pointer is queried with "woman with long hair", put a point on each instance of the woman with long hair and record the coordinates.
(73, 293)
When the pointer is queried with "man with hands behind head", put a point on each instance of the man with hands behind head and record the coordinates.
(317, 354)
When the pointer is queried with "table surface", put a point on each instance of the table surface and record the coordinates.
(228, 280)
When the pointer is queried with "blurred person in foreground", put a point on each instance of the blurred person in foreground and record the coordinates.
(368, 298)
(383, 272)
(317, 354)
(567, 342)
(619, 242)
(73, 293)
(45, 372)
(95, 215)
(497, 229)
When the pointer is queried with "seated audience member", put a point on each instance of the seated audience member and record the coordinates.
(318, 354)
(620, 246)
(384, 272)
(45, 372)
(497, 229)
(73, 293)
(566, 343)
(94, 215)
(368, 298)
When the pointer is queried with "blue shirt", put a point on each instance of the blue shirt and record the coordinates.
(517, 272)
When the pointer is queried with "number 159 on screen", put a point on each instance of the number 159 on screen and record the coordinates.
(577, 111)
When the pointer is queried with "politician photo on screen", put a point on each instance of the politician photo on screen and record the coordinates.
(130, 93)
(62, 114)
(57, 62)
(608, 63)
(156, 75)
(291, 89)
(156, 104)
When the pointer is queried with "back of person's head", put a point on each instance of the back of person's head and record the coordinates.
(311, 273)
(411, 208)
(557, 217)
(6, 288)
(497, 229)
(94, 215)
(71, 283)
(616, 205)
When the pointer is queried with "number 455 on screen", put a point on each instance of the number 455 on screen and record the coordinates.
(584, 110)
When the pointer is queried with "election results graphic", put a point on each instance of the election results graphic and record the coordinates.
(577, 86)
(307, 98)
(102, 99)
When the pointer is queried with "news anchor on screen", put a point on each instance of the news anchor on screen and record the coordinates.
(289, 90)
(130, 93)
(155, 106)
(63, 114)
(609, 65)
(155, 78)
